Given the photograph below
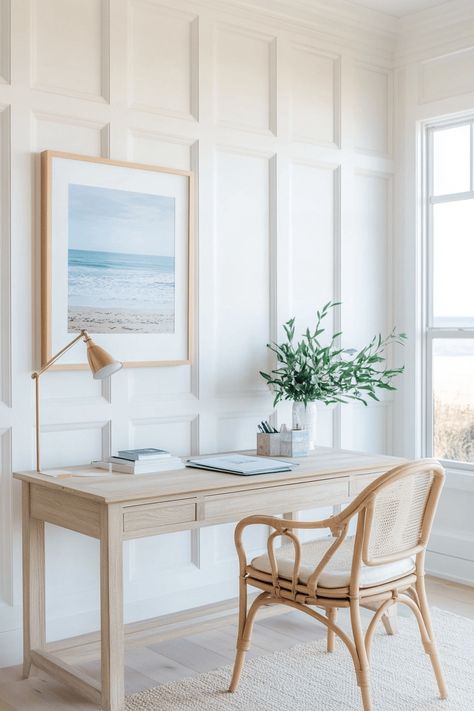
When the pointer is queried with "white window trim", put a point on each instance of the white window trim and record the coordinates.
(428, 331)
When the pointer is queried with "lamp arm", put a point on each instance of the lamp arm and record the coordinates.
(36, 375)
(83, 334)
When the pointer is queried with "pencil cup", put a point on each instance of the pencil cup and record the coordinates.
(294, 443)
(268, 445)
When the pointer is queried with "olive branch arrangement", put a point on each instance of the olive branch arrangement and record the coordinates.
(307, 371)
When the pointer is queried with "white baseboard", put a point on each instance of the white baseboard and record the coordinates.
(11, 646)
(450, 554)
(457, 570)
(458, 544)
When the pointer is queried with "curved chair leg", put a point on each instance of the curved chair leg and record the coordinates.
(430, 647)
(363, 672)
(389, 618)
(332, 616)
(237, 671)
(245, 634)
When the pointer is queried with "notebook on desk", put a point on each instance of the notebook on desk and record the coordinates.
(241, 464)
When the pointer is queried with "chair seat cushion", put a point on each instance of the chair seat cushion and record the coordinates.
(337, 572)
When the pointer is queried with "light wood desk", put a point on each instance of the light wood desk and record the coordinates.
(117, 507)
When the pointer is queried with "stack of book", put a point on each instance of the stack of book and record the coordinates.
(141, 461)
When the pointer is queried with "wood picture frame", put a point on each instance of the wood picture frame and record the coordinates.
(156, 197)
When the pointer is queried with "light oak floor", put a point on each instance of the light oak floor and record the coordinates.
(173, 659)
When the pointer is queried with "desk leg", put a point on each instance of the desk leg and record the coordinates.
(33, 582)
(111, 609)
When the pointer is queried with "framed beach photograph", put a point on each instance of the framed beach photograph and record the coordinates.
(116, 259)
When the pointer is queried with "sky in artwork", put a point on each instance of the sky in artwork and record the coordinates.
(110, 220)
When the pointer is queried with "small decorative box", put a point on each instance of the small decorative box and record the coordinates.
(294, 443)
(268, 445)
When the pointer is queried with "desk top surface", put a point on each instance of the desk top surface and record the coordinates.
(323, 462)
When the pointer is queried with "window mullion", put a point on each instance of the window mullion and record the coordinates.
(452, 197)
(449, 332)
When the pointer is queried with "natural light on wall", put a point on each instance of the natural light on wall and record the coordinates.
(450, 297)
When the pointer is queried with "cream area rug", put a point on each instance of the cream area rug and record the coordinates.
(306, 678)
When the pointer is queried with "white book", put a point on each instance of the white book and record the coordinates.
(137, 468)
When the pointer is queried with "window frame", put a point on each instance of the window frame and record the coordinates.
(430, 333)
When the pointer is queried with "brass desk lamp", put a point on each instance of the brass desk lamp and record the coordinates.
(100, 362)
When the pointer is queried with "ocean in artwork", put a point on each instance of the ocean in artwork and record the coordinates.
(121, 263)
(115, 292)
(111, 291)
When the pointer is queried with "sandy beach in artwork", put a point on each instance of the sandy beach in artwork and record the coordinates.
(107, 320)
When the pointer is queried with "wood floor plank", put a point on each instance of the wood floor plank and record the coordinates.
(269, 639)
(41, 694)
(10, 674)
(135, 678)
(449, 594)
(155, 666)
(223, 641)
(296, 626)
(190, 654)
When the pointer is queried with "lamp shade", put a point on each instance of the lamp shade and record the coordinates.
(101, 363)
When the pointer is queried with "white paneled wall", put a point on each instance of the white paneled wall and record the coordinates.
(288, 129)
(315, 96)
(373, 101)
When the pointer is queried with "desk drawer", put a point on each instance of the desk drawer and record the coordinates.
(149, 518)
(276, 499)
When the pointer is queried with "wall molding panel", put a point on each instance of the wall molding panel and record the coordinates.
(316, 108)
(243, 195)
(314, 235)
(224, 89)
(164, 76)
(245, 74)
(373, 110)
(69, 442)
(5, 29)
(446, 76)
(179, 433)
(5, 257)
(81, 134)
(72, 40)
(6, 519)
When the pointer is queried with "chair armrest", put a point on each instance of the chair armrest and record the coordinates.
(337, 524)
(279, 524)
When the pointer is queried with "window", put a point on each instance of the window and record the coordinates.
(449, 322)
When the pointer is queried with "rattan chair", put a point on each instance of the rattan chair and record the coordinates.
(381, 565)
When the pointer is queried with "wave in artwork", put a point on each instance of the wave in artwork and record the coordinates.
(117, 292)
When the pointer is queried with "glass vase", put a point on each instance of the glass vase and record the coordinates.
(304, 418)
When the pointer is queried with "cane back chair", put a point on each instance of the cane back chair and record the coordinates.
(381, 565)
